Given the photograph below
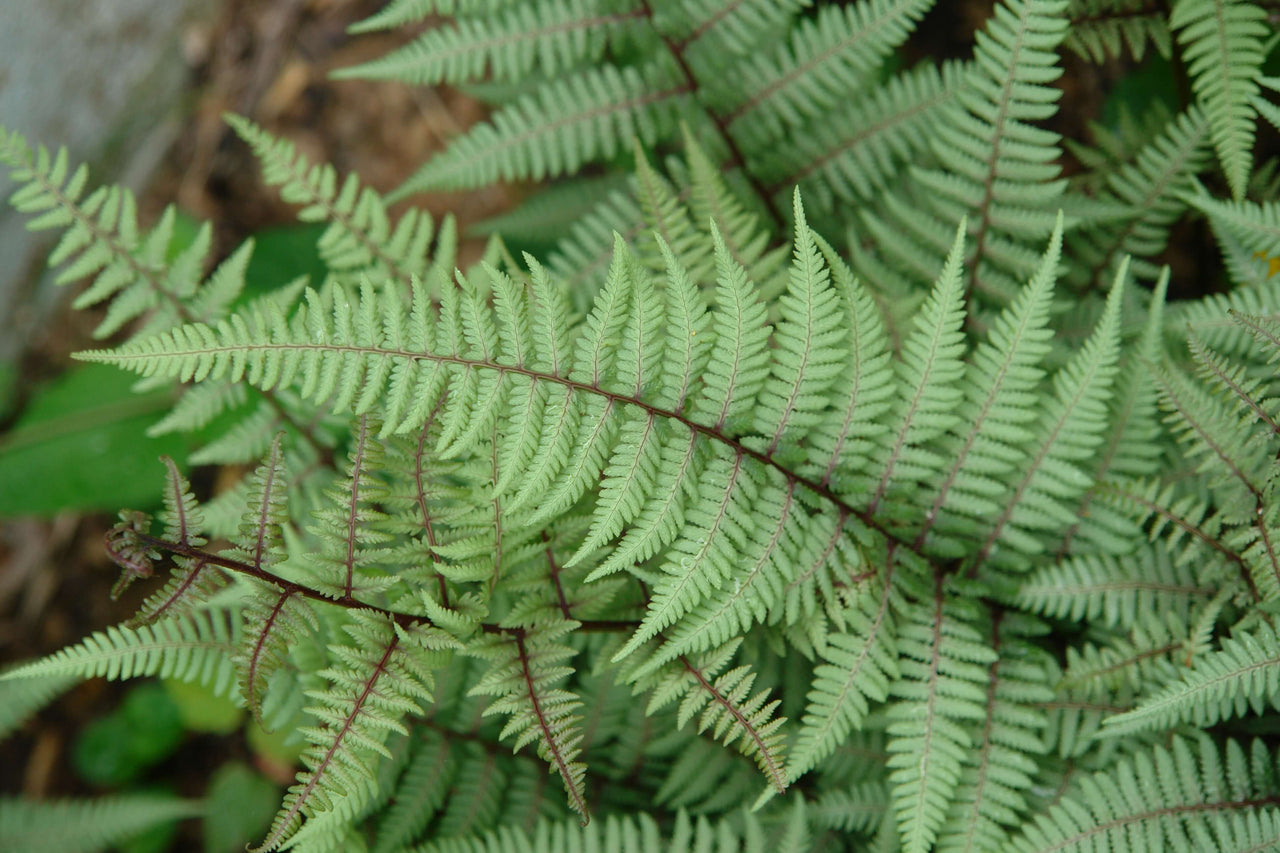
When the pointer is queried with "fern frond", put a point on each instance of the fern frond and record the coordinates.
(828, 56)
(580, 119)
(400, 12)
(378, 673)
(194, 580)
(991, 798)
(662, 211)
(1003, 371)
(1219, 437)
(844, 446)
(1072, 426)
(727, 708)
(1256, 226)
(1190, 530)
(1102, 29)
(867, 143)
(258, 541)
(524, 668)
(1133, 449)
(1153, 186)
(420, 791)
(722, 702)
(716, 198)
(994, 166)
(546, 38)
(945, 667)
(1243, 675)
(1073, 724)
(858, 665)
(1128, 663)
(736, 374)
(348, 527)
(758, 587)
(101, 238)
(195, 647)
(928, 380)
(860, 808)
(198, 406)
(273, 619)
(1167, 797)
(1222, 45)
(20, 698)
(811, 341)
(613, 834)
(713, 34)
(361, 239)
(1209, 318)
(1112, 591)
(85, 826)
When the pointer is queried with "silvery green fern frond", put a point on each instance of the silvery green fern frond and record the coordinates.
(902, 515)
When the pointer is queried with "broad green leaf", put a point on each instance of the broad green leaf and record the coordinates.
(82, 444)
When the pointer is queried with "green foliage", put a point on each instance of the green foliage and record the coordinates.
(78, 826)
(243, 803)
(617, 835)
(1222, 46)
(189, 648)
(80, 445)
(842, 460)
(202, 710)
(119, 747)
(21, 698)
(1169, 798)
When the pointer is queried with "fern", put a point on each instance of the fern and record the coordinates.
(597, 110)
(615, 835)
(546, 38)
(1244, 674)
(751, 400)
(191, 648)
(1223, 50)
(1161, 797)
(1112, 591)
(361, 239)
(943, 663)
(721, 701)
(842, 456)
(1152, 186)
(992, 797)
(25, 697)
(994, 164)
(858, 666)
(77, 826)
(375, 681)
(663, 61)
(1101, 29)
(526, 665)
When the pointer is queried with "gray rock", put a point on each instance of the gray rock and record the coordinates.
(100, 77)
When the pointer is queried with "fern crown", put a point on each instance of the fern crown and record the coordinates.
(841, 473)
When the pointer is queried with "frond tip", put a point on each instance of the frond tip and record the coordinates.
(525, 666)
(1243, 675)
